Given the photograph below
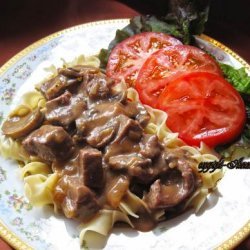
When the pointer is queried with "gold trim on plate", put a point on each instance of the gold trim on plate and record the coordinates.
(13, 239)
(236, 239)
(227, 50)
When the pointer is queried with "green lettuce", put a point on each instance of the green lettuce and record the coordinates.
(237, 77)
(241, 81)
(184, 18)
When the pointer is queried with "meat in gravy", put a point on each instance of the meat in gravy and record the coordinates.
(94, 138)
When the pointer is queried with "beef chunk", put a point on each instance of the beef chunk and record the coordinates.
(80, 202)
(99, 87)
(69, 72)
(97, 116)
(66, 79)
(49, 143)
(101, 136)
(128, 128)
(130, 152)
(172, 189)
(64, 109)
(90, 167)
(96, 128)
(133, 110)
(146, 173)
(116, 188)
(57, 85)
(100, 126)
(126, 161)
(150, 146)
(142, 115)
(78, 71)
(138, 167)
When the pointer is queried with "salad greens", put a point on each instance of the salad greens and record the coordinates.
(237, 77)
(184, 19)
(241, 81)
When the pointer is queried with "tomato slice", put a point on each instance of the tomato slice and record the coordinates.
(202, 106)
(128, 56)
(165, 64)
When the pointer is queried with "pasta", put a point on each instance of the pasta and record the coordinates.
(39, 188)
(130, 204)
(40, 180)
(33, 168)
(10, 148)
(95, 232)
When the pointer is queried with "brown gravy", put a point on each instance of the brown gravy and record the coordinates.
(109, 151)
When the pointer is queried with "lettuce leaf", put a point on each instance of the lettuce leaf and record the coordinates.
(241, 81)
(184, 18)
(237, 77)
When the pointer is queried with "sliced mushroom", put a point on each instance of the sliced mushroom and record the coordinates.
(19, 126)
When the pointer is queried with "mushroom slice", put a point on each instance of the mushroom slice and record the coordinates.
(18, 126)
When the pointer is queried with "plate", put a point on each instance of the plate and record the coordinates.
(224, 220)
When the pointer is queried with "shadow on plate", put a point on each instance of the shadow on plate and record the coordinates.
(210, 202)
(122, 229)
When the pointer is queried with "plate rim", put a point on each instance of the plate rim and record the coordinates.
(10, 236)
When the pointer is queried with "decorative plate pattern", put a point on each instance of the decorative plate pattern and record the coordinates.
(225, 215)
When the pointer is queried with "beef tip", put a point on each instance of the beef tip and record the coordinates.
(116, 188)
(90, 167)
(175, 187)
(84, 122)
(176, 157)
(96, 115)
(49, 143)
(102, 135)
(150, 146)
(67, 79)
(65, 109)
(120, 158)
(146, 173)
(79, 202)
(142, 170)
(99, 87)
(123, 153)
(128, 128)
(142, 116)
(105, 123)
(57, 85)
(69, 72)
(78, 71)
(96, 128)
(127, 138)
(119, 109)
(137, 112)
(123, 147)
(135, 166)
(126, 161)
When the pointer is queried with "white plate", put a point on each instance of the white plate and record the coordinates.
(224, 214)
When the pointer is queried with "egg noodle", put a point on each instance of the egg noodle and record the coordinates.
(40, 181)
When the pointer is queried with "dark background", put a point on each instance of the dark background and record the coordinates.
(228, 22)
(23, 22)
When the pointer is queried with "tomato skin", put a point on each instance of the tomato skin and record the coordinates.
(168, 63)
(128, 56)
(202, 106)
